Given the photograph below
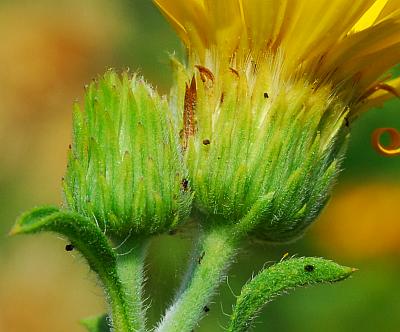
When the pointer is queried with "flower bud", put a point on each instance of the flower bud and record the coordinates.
(261, 155)
(125, 171)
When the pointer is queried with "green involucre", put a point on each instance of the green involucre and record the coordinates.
(278, 279)
(268, 138)
(124, 169)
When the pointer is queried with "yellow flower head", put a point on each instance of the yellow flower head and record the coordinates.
(346, 44)
(267, 96)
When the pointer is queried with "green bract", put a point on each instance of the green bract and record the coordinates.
(279, 279)
(262, 153)
(124, 169)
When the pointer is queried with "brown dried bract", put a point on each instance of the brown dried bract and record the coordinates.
(189, 125)
(205, 74)
(234, 71)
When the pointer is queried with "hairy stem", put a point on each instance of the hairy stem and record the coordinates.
(130, 269)
(214, 254)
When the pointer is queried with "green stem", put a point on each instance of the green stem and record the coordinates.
(130, 270)
(214, 254)
(120, 319)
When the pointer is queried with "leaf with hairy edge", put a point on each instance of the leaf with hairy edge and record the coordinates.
(278, 279)
(83, 233)
(87, 238)
(96, 324)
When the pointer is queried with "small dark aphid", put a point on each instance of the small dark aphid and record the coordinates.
(206, 309)
(206, 142)
(309, 268)
(185, 184)
(69, 247)
(201, 257)
(346, 121)
(266, 95)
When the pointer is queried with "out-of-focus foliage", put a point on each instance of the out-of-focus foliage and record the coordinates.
(48, 51)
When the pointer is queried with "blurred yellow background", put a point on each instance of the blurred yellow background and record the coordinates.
(48, 51)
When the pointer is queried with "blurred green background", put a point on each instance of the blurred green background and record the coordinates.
(48, 51)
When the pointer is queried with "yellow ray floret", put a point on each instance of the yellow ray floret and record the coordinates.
(371, 16)
(339, 40)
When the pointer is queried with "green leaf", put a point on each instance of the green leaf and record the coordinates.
(87, 238)
(96, 324)
(278, 279)
(83, 233)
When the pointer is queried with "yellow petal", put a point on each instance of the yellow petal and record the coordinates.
(265, 21)
(390, 8)
(347, 44)
(186, 16)
(371, 16)
(225, 22)
(368, 53)
(318, 24)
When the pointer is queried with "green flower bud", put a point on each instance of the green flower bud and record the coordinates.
(125, 170)
(262, 154)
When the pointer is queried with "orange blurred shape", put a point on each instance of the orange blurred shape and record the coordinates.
(361, 221)
(393, 149)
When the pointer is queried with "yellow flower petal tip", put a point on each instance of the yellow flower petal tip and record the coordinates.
(391, 150)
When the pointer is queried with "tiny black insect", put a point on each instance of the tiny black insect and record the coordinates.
(206, 309)
(185, 184)
(309, 268)
(266, 95)
(206, 142)
(201, 257)
(69, 247)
